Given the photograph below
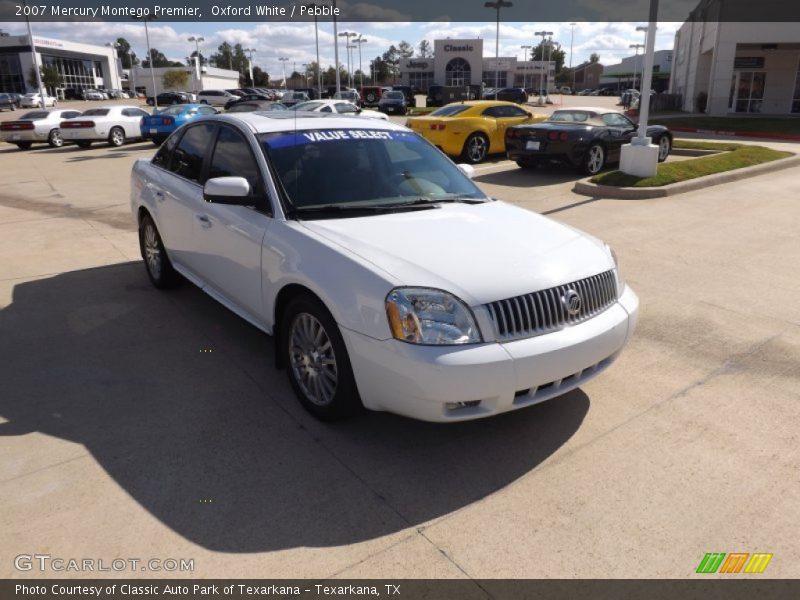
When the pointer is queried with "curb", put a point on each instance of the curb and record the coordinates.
(586, 188)
(788, 137)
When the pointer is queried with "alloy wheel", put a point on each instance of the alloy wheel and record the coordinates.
(56, 141)
(313, 360)
(596, 159)
(663, 148)
(476, 148)
(117, 137)
(152, 250)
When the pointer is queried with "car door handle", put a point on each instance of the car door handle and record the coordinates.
(205, 222)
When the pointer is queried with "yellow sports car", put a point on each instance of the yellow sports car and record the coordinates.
(472, 129)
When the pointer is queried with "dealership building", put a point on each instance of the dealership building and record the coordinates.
(622, 74)
(461, 62)
(731, 67)
(81, 65)
(212, 79)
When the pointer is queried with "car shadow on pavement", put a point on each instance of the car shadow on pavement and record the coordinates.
(552, 174)
(178, 401)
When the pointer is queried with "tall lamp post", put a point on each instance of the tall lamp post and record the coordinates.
(525, 68)
(150, 59)
(36, 63)
(360, 40)
(644, 29)
(571, 40)
(198, 62)
(283, 60)
(250, 52)
(316, 38)
(640, 157)
(348, 35)
(636, 61)
(497, 5)
(544, 35)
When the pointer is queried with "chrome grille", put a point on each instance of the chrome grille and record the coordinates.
(545, 311)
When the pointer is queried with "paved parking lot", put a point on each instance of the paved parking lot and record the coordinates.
(135, 423)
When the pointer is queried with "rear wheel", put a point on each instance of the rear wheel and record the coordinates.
(664, 146)
(159, 268)
(116, 137)
(476, 148)
(54, 139)
(83, 143)
(317, 362)
(23, 145)
(594, 160)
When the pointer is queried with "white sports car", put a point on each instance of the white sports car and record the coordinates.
(114, 124)
(386, 277)
(342, 107)
(34, 100)
(37, 126)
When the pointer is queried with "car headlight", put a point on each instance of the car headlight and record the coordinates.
(617, 270)
(429, 316)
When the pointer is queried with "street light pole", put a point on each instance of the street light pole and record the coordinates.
(336, 50)
(250, 64)
(197, 40)
(571, 40)
(525, 67)
(361, 40)
(544, 34)
(635, 61)
(497, 5)
(283, 60)
(150, 60)
(36, 63)
(347, 35)
(642, 28)
(316, 39)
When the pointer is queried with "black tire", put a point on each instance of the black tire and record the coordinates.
(664, 144)
(83, 143)
(24, 145)
(54, 139)
(370, 98)
(116, 137)
(594, 160)
(204, 101)
(476, 148)
(327, 391)
(156, 262)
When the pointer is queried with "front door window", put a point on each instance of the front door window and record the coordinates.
(747, 91)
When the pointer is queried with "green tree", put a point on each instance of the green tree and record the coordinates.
(594, 57)
(160, 60)
(260, 77)
(405, 50)
(223, 57)
(543, 51)
(124, 53)
(191, 57)
(424, 49)
(175, 79)
(51, 79)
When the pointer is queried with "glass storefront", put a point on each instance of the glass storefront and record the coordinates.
(421, 80)
(457, 72)
(11, 78)
(488, 79)
(78, 74)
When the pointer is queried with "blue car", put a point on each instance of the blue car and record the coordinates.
(158, 126)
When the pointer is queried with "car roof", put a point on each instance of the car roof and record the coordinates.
(594, 109)
(485, 103)
(277, 121)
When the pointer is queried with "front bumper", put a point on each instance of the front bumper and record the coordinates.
(452, 383)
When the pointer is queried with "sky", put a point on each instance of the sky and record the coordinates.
(296, 40)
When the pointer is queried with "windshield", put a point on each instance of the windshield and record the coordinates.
(362, 167)
(307, 106)
(450, 110)
(33, 115)
(394, 95)
(172, 110)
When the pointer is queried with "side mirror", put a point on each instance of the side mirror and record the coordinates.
(466, 169)
(227, 190)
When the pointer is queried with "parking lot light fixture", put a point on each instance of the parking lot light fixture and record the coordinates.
(150, 57)
(525, 71)
(348, 35)
(635, 61)
(250, 52)
(197, 40)
(497, 5)
(361, 40)
(571, 40)
(316, 38)
(283, 60)
(544, 35)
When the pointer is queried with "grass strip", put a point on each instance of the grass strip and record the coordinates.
(756, 124)
(743, 156)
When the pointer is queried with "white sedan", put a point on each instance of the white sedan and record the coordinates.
(34, 100)
(387, 279)
(37, 126)
(114, 124)
(342, 107)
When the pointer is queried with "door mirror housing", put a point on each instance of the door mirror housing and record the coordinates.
(466, 169)
(227, 190)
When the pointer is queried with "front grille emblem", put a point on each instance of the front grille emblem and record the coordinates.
(572, 302)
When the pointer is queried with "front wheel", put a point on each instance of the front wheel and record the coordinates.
(476, 148)
(317, 362)
(595, 159)
(116, 137)
(664, 146)
(54, 139)
(159, 268)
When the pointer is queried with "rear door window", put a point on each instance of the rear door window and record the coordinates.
(189, 156)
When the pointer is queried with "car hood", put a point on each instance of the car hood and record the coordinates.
(481, 253)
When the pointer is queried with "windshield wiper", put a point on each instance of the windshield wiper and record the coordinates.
(368, 208)
(430, 201)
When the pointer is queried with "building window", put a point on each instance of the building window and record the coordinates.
(458, 72)
(488, 79)
(421, 80)
(747, 91)
(11, 79)
(796, 97)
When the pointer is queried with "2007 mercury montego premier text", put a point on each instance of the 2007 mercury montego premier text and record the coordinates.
(387, 278)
